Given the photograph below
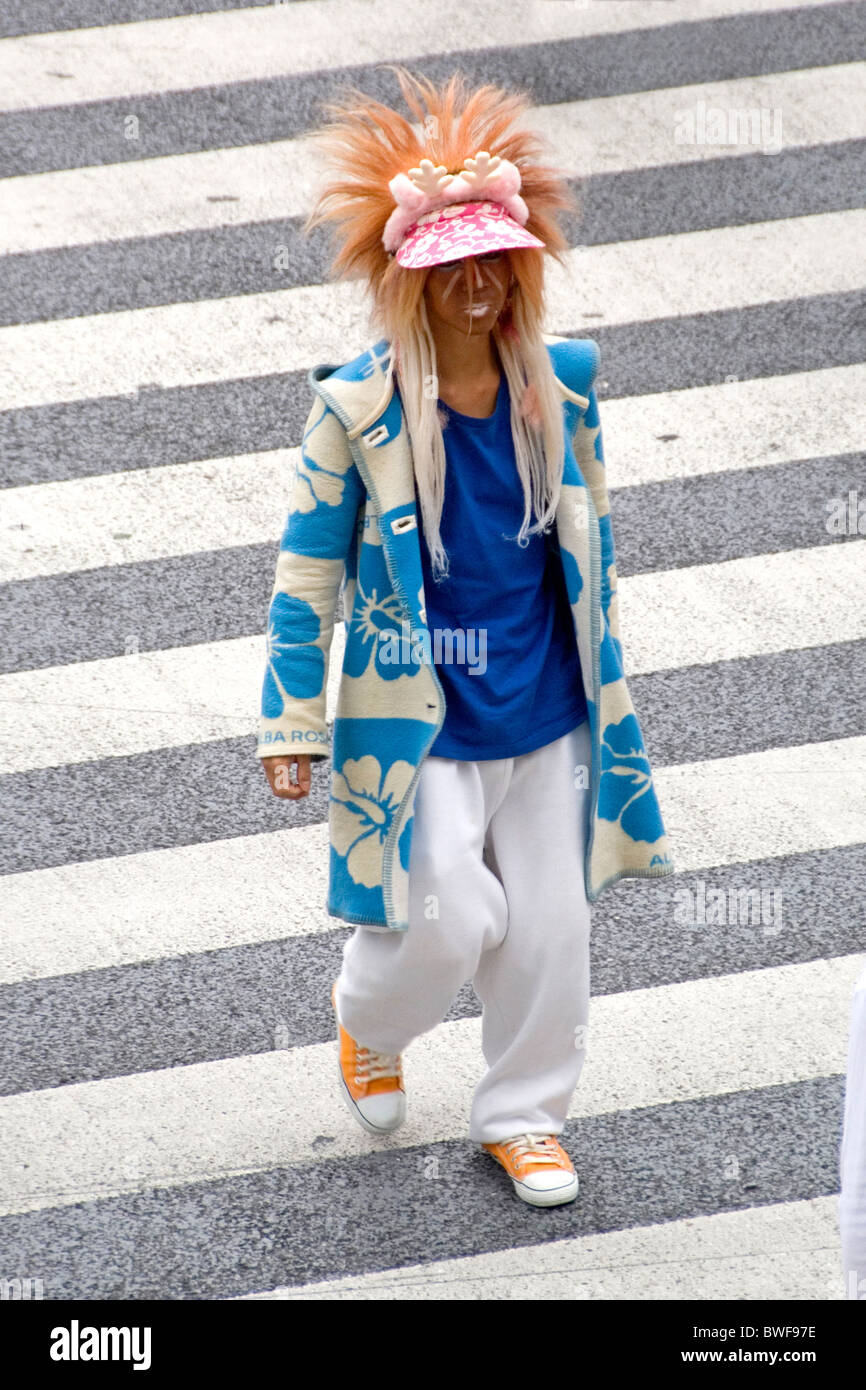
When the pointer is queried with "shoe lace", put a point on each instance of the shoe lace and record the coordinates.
(370, 1066)
(541, 1148)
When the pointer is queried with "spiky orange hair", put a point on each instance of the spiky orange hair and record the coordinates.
(366, 143)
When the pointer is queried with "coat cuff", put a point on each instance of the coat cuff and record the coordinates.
(277, 738)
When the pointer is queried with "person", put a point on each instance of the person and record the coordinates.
(852, 1156)
(489, 776)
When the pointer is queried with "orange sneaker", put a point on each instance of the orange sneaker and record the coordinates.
(371, 1083)
(540, 1169)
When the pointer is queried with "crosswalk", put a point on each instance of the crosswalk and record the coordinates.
(168, 1097)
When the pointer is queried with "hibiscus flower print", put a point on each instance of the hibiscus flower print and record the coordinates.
(295, 667)
(625, 794)
(362, 807)
(373, 616)
(318, 484)
(321, 485)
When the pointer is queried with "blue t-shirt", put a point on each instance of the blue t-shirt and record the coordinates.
(511, 675)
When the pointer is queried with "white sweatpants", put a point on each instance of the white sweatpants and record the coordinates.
(496, 896)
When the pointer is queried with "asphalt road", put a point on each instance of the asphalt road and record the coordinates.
(168, 1092)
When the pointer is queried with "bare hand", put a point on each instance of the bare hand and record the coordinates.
(278, 773)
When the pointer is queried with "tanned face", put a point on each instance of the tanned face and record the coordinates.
(469, 294)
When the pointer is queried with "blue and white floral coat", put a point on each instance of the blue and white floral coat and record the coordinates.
(353, 528)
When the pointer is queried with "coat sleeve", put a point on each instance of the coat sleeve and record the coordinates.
(326, 494)
(589, 451)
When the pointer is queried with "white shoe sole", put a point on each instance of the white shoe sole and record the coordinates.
(366, 1124)
(352, 1104)
(552, 1197)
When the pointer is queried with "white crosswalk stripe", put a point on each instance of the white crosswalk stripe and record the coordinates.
(177, 55)
(782, 1247)
(690, 1040)
(118, 518)
(228, 187)
(75, 917)
(251, 335)
(182, 695)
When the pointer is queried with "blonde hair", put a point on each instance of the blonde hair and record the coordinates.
(367, 143)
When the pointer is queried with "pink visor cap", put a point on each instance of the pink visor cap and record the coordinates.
(458, 230)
